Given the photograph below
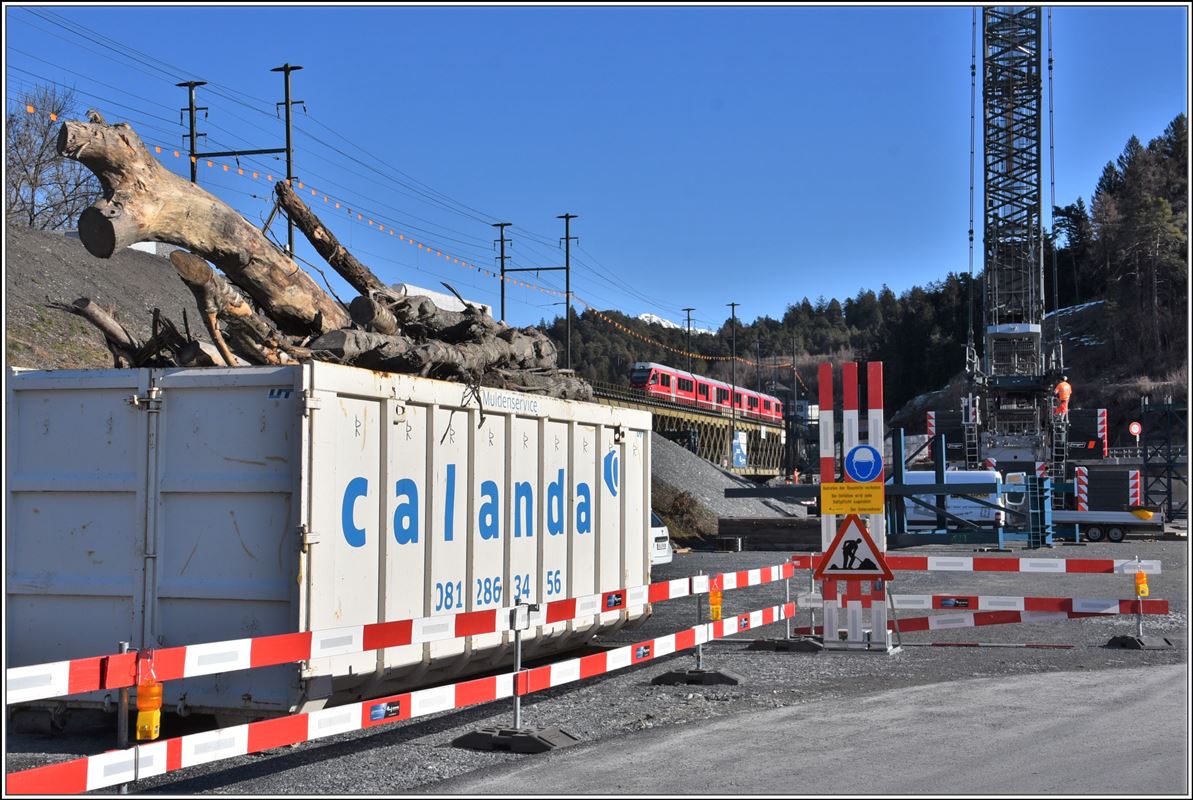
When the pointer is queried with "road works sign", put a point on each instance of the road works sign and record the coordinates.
(851, 498)
(853, 554)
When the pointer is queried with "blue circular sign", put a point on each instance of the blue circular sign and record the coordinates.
(863, 463)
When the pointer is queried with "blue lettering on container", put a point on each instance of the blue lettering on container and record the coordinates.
(357, 487)
(449, 502)
(583, 508)
(406, 513)
(555, 506)
(523, 508)
(489, 518)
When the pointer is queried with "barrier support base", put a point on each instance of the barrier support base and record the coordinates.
(1140, 643)
(698, 677)
(796, 644)
(516, 740)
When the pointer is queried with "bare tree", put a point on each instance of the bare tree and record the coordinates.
(42, 189)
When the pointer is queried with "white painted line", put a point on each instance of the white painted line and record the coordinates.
(678, 588)
(637, 596)
(664, 645)
(699, 584)
(588, 604)
(330, 721)
(945, 622)
(109, 769)
(912, 602)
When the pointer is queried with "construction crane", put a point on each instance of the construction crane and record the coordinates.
(1008, 415)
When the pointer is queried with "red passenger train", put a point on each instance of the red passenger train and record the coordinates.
(678, 386)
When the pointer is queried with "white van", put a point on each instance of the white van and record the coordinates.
(961, 505)
(660, 541)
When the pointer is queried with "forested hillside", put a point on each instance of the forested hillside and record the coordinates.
(1127, 246)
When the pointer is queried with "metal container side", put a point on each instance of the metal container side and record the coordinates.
(254, 501)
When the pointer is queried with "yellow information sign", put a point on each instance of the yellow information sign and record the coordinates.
(851, 498)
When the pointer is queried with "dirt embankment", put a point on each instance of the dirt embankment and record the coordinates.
(42, 266)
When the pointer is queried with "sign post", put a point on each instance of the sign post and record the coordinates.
(1135, 428)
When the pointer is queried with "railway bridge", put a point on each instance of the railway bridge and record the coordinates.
(706, 432)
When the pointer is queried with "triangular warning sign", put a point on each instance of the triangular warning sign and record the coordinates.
(853, 554)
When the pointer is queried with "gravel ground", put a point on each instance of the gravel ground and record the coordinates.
(412, 757)
(682, 469)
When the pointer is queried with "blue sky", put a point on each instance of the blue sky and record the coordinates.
(759, 155)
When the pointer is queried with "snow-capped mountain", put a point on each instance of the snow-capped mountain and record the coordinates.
(666, 323)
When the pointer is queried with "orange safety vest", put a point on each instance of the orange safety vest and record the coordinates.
(1063, 390)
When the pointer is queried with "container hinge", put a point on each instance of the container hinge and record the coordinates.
(310, 402)
(151, 401)
(307, 536)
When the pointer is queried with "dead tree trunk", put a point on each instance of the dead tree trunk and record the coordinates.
(121, 344)
(252, 337)
(145, 201)
(359, 277)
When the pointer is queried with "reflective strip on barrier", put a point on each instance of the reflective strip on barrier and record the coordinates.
(1086, 566)
(41, 681)
(156, 758)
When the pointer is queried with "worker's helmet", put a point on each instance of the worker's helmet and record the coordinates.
(1064, 377)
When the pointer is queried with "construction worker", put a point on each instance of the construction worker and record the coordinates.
(1063, 391)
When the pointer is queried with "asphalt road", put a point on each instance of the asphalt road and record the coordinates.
(1065, 733)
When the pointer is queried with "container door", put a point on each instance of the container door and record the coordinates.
(487, 582)
(447, 565)
(555, 576)
(347, 484)
(526, 526)
(223, 527)
(609, 517)
(403, 525)
(636, 535)
(75, 492)
(583, 538)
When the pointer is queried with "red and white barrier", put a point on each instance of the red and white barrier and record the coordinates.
(1041, 469)
(975, 619)
(1076, 605)
(1084, 566)
(77, 676)
(1081, 487)
(157, 758)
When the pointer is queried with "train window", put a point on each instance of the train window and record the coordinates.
(685, 385)
(737, 398)
(665, 380)
(702, 389)
(654, 379)
(766, 405)
(753, 401)
(722, 395)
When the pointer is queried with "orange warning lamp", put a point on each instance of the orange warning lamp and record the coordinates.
(1141, 589)
(714, 598)
(149, 700)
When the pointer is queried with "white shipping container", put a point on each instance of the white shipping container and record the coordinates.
(173, 507)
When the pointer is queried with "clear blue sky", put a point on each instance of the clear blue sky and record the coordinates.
(759, 155)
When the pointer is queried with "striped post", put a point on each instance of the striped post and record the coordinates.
(1134, 488)
(1081, 487)
(849, 440)
(828, 474)
(876, 438)
(1103, 432)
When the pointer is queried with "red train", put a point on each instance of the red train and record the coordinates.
(683, 387)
